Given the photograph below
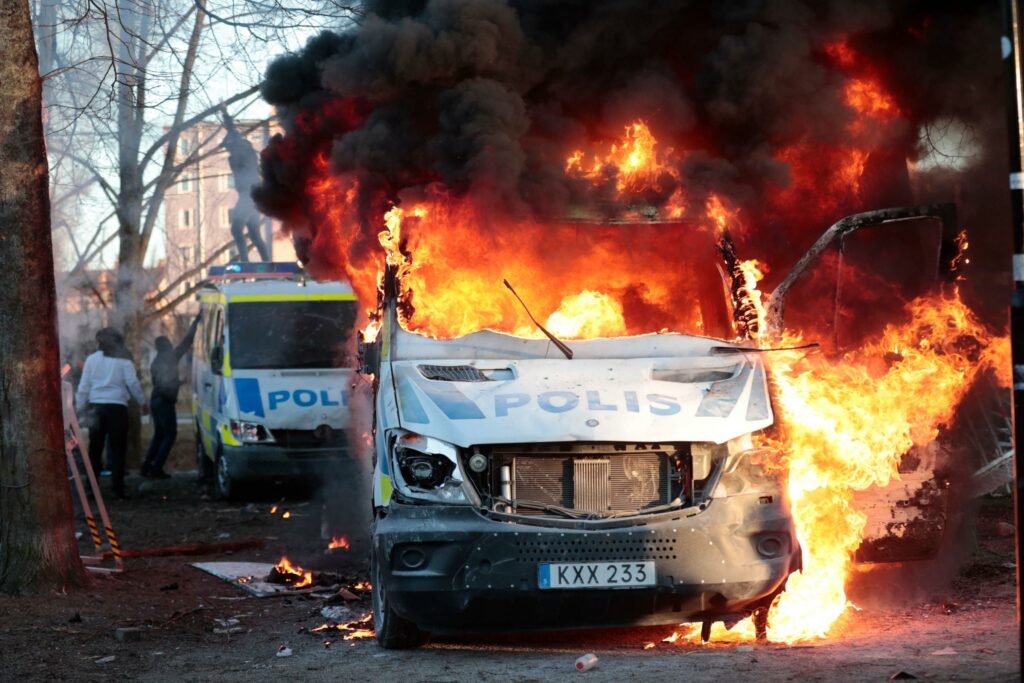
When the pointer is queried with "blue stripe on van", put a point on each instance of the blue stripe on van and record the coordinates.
(249, 398)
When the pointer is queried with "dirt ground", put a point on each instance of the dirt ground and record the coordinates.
(963, 631)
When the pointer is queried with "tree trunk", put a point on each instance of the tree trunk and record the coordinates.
(38, 550)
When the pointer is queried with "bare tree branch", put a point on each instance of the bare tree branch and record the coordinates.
(171, 305)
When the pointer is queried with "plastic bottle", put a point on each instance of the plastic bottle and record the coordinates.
(586, 662)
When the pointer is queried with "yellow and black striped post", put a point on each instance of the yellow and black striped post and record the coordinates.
(115, 547)
(94, 531)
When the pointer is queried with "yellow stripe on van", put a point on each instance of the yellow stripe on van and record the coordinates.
(227, 363)
(385, 489)
(242, 298)
(212, 298)
(227, 437)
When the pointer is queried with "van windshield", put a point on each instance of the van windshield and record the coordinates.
(290, 334)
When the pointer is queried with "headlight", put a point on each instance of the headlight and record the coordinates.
(250, 432)
(750, 470)
(428, 468)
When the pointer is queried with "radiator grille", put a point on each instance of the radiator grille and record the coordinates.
(592, 482)
(590, 485)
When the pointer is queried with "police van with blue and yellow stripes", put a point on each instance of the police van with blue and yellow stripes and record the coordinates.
(270, 375)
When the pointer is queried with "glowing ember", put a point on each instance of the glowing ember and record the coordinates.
(292, 574)
(353, 630)
(286, 515)
(338, 543)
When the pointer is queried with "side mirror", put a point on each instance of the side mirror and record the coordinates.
(217, 360)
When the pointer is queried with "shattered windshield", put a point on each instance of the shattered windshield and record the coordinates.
(290, 334)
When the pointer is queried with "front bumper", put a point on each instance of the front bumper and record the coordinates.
(451, 569)
(266, 461)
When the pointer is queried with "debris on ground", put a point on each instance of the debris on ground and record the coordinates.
(106, 660)
(586, 662)
(126, 634)
(284, 651)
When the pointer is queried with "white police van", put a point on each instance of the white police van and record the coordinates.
(270, 375)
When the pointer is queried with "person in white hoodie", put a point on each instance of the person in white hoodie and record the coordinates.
(108, 381)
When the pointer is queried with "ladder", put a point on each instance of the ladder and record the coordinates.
(72, 446)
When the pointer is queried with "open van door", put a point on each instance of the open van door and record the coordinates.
(909, 252)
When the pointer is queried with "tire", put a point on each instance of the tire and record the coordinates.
(225, 487)
(393, 632)
(204, 466)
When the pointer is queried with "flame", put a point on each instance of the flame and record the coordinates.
(295, 575)
(286, 514)
(848, 422)
(634, 162)
(719, 214)
(868, 97)
(338, 543)
(585, 315)
(751, 274)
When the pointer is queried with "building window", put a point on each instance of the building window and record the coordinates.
(184, 147)
(227, 214)
(227, 181)
(185, 184)
(231, 181)
(186, 256)
(186, 218)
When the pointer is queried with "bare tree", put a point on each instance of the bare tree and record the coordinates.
(137, 73)
(37, 545)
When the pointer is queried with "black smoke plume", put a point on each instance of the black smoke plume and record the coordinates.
(488, 97)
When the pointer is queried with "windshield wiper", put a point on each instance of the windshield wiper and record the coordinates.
(554, 340)
(716, 350)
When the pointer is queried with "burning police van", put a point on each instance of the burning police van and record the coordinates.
(526, 483)
(269, 375)
(520, 484)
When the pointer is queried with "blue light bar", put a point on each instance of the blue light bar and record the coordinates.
(256, 269)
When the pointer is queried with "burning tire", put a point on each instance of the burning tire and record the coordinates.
(393, 632)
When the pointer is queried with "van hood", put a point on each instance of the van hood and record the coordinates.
(293, 399)
(637, 400)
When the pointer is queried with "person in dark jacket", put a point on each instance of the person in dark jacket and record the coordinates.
(163, 401)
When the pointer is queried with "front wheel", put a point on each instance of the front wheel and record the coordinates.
(225, 486)
(393, 632)
(204, 465)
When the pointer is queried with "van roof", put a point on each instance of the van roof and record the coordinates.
(276, 287)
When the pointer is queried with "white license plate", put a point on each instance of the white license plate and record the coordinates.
(596, 575)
